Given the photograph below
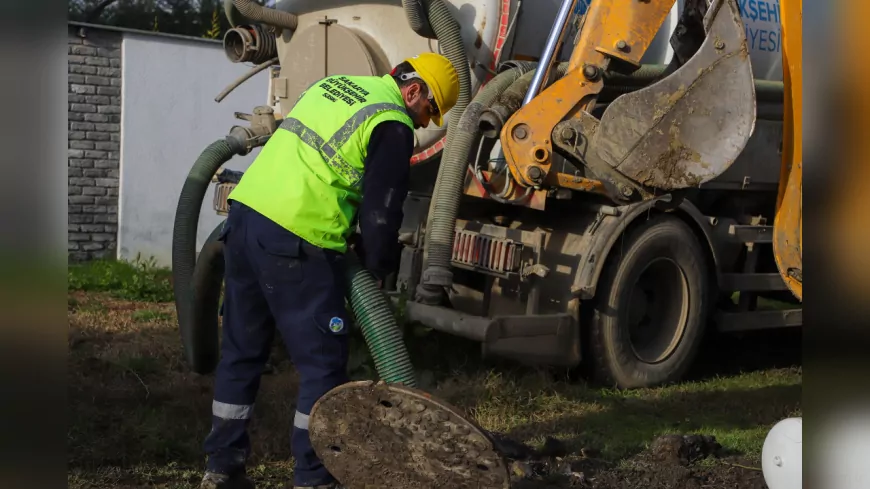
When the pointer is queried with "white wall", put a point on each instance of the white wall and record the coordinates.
(168, 117)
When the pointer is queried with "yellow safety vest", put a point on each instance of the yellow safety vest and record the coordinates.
(307, 177)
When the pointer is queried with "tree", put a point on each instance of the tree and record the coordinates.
(95, 13)
(215, 30)
(199, 18)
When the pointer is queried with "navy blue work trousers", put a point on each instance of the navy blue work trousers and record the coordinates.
(275, 279)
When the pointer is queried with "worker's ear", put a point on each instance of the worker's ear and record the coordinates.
(415, 93)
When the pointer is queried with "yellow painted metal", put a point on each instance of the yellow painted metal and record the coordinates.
(788, 223)
(536, 199)
(574, 182)
(619, 29)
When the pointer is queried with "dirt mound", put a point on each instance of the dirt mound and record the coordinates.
(683, 449)
(716, 475)
(671, 462)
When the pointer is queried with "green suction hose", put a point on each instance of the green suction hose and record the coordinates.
(379, 327)
(430, 19)
(197, 284)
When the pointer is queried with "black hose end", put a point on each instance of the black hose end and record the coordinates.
(236, 43)
(237, 144)
(430, 290)
(429, 294)
(510, 64)
(490, 124)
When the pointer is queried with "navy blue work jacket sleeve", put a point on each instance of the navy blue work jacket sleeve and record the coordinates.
(384, 188)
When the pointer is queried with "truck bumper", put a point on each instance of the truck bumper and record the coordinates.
(544, 339)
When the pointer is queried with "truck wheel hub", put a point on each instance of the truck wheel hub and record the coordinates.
(658, 310)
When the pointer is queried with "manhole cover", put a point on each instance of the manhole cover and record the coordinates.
(373, 435)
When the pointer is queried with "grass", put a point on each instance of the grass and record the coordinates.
(140, 280)
(137, 416)
(737, 410)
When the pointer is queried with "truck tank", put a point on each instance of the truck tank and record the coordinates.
(570, 244)
(366, 38)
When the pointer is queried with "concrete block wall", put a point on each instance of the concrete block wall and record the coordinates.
(94, 67)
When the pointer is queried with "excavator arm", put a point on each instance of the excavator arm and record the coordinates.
(788, 223)
(684, 129)
(679, 132)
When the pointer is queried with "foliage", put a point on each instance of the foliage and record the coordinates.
(140, 279)
(215, 30)
(198, 18)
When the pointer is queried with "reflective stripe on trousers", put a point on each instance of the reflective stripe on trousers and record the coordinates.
(231, 411)
(300, 421)
(275, 279)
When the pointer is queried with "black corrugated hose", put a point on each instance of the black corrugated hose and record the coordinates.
(208, 277)
(197, 283)
(198, 335)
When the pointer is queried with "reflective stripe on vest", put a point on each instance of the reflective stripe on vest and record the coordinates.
(329, 149)
(308, 176)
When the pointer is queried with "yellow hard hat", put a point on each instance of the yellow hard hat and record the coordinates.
(441, 78)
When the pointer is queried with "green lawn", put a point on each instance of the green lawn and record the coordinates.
(137, 416)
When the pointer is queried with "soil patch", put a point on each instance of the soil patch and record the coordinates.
(670, 462)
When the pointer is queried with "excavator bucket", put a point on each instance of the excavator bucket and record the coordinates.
(689, 127)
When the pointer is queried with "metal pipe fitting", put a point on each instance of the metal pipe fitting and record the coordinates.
(250, 43)
(549, 49)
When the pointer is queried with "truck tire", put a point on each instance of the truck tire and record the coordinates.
(650, 310)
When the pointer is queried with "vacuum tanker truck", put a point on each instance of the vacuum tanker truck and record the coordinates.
(616, 179)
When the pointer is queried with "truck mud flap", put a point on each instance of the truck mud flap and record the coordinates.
(541, 339)
(689, 127)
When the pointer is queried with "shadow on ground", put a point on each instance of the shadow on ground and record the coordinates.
(619, 427)
(731, 354)
(137, 416)
(738, 388)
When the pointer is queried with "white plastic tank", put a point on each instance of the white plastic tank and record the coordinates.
(371, 36)
(782, 455)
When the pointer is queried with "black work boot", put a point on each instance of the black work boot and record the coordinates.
(213, 480)
(331, 485)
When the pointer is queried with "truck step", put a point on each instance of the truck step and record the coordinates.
(754, 282)
(539, 339)
(748, 233)
(732, 322)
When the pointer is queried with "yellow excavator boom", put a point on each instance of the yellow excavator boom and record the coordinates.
(788, 223)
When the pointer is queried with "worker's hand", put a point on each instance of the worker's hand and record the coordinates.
(380, 284)
(354, 243)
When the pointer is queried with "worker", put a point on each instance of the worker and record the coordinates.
(340, 157)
